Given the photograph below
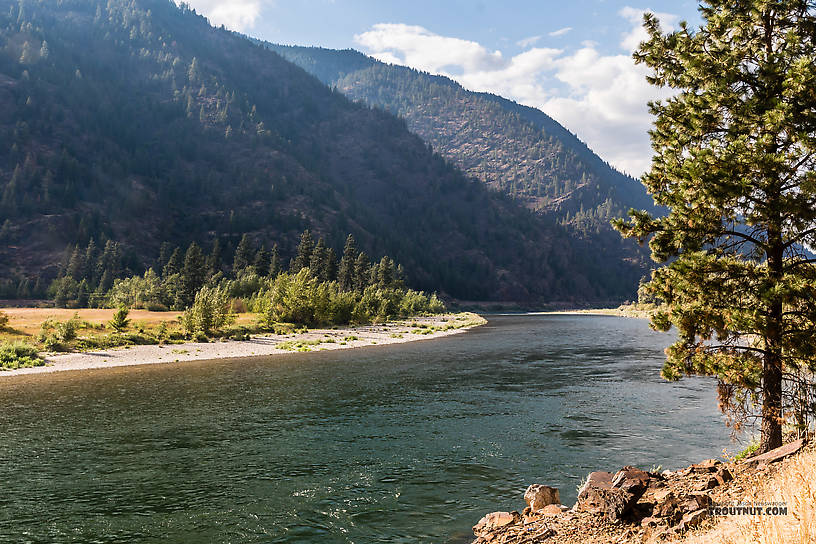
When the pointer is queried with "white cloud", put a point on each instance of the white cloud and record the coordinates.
(416, 46)
(631, 40)
(237, 15)
(601, 97)
(527, 42)
(560, 31)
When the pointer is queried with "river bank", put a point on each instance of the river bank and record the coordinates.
(767, 498)
(396, 332)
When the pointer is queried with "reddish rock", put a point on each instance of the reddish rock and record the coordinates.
(598, 495)
(495, 520)
(539, 496)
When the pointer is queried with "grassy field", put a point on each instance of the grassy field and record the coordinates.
(26, 323)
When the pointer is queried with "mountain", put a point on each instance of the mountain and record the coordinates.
(137, 121)
(514, 149)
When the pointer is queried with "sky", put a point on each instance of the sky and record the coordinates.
(571, 59)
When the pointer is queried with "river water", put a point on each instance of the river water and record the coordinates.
(403, 443)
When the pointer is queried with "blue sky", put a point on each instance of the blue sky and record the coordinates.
(570, 59)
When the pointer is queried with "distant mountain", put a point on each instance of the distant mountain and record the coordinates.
(514, 149)
(136, 121)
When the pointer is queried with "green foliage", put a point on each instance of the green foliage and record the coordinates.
(303, 299)
(209, 313)
(18, 355)
(734, 161)
(120, 319)
(55, 335)
(4, 320)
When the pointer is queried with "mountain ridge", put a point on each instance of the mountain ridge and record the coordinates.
(139, 122)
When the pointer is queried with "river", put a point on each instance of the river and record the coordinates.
(398, 444)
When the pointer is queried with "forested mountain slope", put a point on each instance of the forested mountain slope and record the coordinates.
(514, 149)
(138, 122)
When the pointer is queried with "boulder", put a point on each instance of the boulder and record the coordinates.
(598, 495)
(539, 496)
(632, 479)
(495, 520)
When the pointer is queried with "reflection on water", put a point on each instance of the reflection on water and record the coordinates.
(406, 443)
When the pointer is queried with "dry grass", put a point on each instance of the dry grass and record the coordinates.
(26, 322)
(794, 484)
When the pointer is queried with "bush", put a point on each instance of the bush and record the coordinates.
(18, 355)
(120, 321)
(209, 313)
(4, 320)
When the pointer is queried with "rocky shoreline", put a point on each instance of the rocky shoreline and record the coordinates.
(631, 505)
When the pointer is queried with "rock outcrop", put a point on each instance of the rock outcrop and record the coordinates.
(628, 506)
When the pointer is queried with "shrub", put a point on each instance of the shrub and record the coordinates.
(4, 320)
(120, 321)
(209, 313)
(18, 355)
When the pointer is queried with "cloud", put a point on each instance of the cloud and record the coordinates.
(601, 97)
(527, 42)
(560, 31)
(237, 15)
(631, 39)
(416, 46)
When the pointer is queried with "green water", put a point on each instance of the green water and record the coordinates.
(405, 443)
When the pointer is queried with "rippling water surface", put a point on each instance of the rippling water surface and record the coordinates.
(406, 443)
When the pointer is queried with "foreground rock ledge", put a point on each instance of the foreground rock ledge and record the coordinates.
(630, 505)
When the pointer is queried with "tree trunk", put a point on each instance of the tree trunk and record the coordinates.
(771, 403)
(772, 364)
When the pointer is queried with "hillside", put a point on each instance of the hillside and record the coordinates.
(136, 121)
(514, 149)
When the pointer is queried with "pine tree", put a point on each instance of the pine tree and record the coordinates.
(193, 274)
(274, 262)
(244, 255)
(361, 272)
(304, 253)
(262, 261)
(173, 265)
(345, 272)
(734, 162)
(319, 262)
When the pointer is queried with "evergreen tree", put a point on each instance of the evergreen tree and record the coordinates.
(345, 272)
(173, 265)
(386, 273)
(304, 252)
(331, 265)
(262, 261)
(193, 274)
(734, 162)
(362, 268)
(244, 255)
(319, 262)
(274, 262)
